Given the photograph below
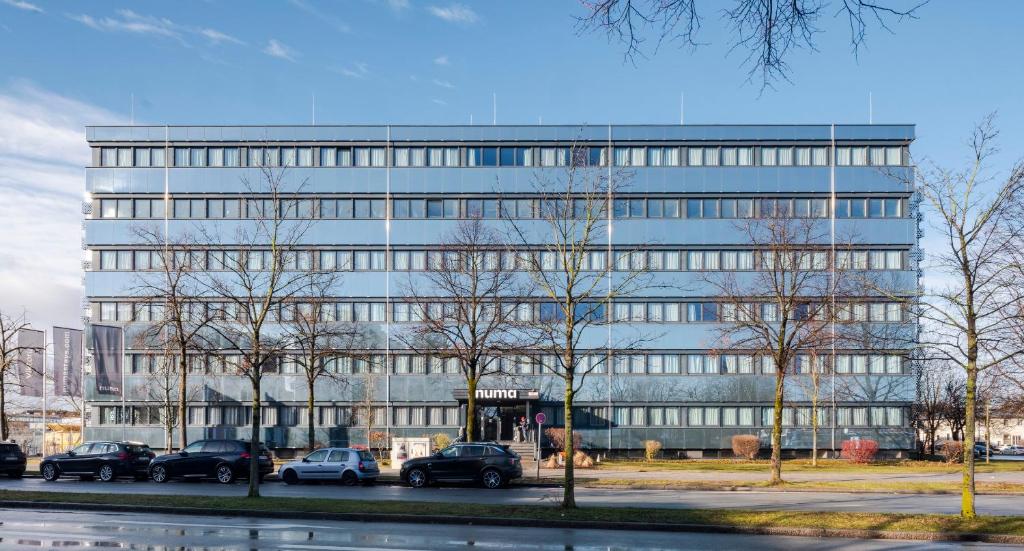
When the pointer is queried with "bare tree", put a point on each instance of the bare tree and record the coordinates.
(247, 293)
(787, 307)
(769, 32)
(466, 304)
(318, 336)
(10, 354)
(180, 330)
(974, 320)
(576, 290)
(930, 405)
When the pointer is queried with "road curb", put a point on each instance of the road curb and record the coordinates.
(521, 522)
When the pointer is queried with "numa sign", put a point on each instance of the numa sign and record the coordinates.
(497, 393)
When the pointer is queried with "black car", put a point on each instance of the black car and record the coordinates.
(487, 463)
(224, 460)
(103, 460)
(12, 460)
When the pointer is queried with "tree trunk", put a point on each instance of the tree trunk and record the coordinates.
(967, 488)
(254, 440)
(4, 430)
(310, 414)
(569, 491)
(183, 399)
(471, 383)
(776, 461)
(814, 426)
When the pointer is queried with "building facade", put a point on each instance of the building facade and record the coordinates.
(381, 198)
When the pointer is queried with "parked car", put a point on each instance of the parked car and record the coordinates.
(224, 460)
(104, 460)
(979, 449)
(487, 463)
(1011, 449)
(12, 460)
(346, 465)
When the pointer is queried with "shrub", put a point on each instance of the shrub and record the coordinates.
(651, 449)
(860, 451)
(746, 445)
(557, 438)
(953, 451)
(379, 442)
(582, 460)
(441, 441)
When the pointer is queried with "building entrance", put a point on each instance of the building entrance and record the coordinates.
(499, 411)
(501, 423)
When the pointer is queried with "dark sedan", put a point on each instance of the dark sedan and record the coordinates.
(486, 463)
(12, 460)
(103, 460)
(224, 460)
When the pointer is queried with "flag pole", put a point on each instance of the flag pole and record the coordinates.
(42, 443)
(124, 410)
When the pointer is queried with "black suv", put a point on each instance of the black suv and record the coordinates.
(103, 460)
(12, 460)
(487, 463)
(224, 460)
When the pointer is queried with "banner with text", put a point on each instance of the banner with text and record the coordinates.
(30, 361)
(106, 355)
(67, 362)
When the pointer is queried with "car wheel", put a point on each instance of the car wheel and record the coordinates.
(417, 478)
(492, 479)
(106, 473)
(224, 474)
(349, 478)
(50, 473)
(159, 474)
(290, 477)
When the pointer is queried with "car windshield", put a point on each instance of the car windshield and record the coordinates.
(365, 456)
(194, 447)
(450, 452)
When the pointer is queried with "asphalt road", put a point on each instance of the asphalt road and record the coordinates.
(31, 529)
(594, 497)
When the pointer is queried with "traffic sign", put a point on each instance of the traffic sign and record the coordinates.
(540, 418)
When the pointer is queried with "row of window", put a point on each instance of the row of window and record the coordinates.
(448, 416)
(440, 208)
(422, 260)
(522, 364)
(511, 156)
(404, 312)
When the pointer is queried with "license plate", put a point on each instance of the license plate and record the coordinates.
(11, 457)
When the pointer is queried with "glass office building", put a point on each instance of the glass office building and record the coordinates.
(380, 200)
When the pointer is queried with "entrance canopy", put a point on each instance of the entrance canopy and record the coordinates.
(497, 396)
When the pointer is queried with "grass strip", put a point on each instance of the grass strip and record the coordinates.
(804, 465)
(648, 517)
(982, 487)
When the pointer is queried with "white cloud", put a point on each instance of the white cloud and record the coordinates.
(358, 70)
(442, 60)
(443, 83)
(454, 13)
(279, 50)
(216, 37)
(129, 21)
(398, 5)
(331, 20)
(43, 152)
(439, 101)
(22, 5)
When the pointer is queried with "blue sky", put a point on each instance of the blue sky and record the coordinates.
(66, 64)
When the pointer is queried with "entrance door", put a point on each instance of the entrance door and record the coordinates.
(490, 423)
(510, 416)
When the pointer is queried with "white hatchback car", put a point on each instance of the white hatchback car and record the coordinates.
(346, 465)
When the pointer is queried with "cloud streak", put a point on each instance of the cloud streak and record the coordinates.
(442, 60)
(22, 5)
(331, 20)
(454, 13)
(128, 21)
(443, 83)
(274, 48)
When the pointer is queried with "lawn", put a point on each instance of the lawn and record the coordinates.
(982, 487)
(804, 465)
(989, 525)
